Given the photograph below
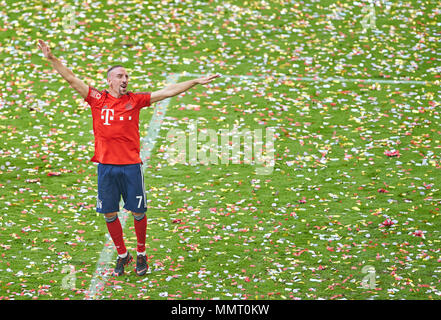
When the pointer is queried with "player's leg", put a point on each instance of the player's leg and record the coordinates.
(140, 222)
(135, 201)
(116, 233)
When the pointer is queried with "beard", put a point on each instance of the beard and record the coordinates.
(122, 90)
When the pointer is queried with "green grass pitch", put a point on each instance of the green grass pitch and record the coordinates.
(350, 209)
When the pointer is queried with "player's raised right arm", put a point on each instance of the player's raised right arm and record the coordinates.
(77, 84)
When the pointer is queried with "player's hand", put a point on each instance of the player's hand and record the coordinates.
(208, 79)
(45, 49)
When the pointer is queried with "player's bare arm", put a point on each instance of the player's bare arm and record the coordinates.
(177, 88)
(77, 84)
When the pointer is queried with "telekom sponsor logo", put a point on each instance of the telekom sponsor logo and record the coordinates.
(107, 115)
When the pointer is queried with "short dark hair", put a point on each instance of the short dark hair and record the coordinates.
(113, 67)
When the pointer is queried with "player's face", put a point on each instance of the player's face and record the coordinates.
(119, 80)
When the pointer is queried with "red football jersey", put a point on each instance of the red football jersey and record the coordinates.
(116, 125)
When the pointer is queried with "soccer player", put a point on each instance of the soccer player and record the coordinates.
(115, 114)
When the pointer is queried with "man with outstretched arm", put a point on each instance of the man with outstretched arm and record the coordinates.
(115, 114)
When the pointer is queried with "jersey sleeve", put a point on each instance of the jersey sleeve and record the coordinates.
(143, 99)
(93, 97)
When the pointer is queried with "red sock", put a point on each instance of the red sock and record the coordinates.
(116, 233)
(141, 230)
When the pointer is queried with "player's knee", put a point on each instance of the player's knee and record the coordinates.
(138, 216)
(111, 216)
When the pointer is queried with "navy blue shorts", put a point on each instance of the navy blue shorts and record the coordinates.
(116, 181)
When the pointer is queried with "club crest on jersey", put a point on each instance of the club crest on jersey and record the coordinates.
(129, 106)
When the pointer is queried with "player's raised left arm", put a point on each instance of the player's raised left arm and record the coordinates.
(177, 88)
(76, 83)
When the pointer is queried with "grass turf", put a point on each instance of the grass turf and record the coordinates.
(309, 229)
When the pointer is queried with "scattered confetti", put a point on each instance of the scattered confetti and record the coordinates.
(355, 182)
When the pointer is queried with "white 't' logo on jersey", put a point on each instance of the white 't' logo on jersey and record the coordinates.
(107, 115)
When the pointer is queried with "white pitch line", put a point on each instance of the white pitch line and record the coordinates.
(147, 144)
(318, 79)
